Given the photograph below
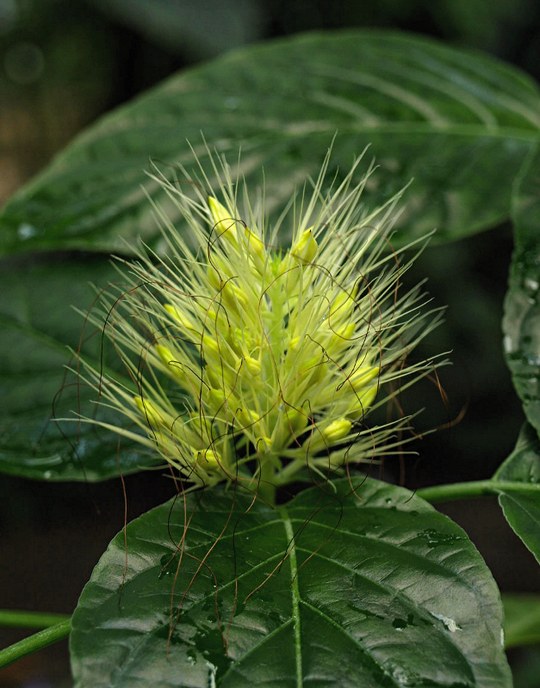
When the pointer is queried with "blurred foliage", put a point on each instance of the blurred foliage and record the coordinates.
(194, 29)
(64, 62)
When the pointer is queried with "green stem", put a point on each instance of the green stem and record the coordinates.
(267, 492)
(35, 642)
(23, 619)
(285, 474)
(477, 488)
(267, 484)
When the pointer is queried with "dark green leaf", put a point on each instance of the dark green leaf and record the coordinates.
(458, 123)
(37, 325)
(521, 619)
(519, 495)
(342, 587)
(521, 323)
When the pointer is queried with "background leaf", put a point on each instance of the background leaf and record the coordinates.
(38, 324)
(522, 508)
(521, 323)
(370, 588)
(457, 122)
(521, 619)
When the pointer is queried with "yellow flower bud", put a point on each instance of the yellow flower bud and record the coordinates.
(295, 421)
(224, 221)
(150, 411)
(263, 443)
(293, 343)
(233, 297)
(362, 376)
(343, 304)
(363, 401)
(165, 354)
(305, 249)
(247, 417)
(337, 430)
(252, 364)
(208, 459)
(255, 246)
(181, 319)
(210, 346)
(341, 336)
(216, 397)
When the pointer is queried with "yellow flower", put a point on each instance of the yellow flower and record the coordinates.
(253, 362)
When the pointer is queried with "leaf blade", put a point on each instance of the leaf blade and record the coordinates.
(38, 323)
(521, 321)
(444, 117)
(522, 509)
(365, 615)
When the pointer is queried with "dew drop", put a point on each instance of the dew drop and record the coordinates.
(434, 538)
(508, 344)
(530, 285)
(26, 231)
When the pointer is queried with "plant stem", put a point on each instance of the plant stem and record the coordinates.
(267, 484)
(267, 492)
(23, 619)
(35, 642)
(477, 488)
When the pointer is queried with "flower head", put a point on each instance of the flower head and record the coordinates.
(250, 361)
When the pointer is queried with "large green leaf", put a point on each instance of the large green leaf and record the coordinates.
(458, 123)
(348, 585)
(37, 323)
(519, 495)
(521, 321)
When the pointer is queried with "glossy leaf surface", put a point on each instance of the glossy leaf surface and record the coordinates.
(370, 587)
(459, 124)
(521, 503)
(38, 323)
(521, 321)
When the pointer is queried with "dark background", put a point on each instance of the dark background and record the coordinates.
(65, 62)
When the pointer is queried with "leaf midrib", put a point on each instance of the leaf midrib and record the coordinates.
(295, 594)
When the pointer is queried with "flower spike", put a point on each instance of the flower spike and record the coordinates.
(263, 361)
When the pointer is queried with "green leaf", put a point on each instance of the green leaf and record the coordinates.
(521, 323)
(521, 619)
(37, 323)
(350, 584)
(521, 508)
(460, 124)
